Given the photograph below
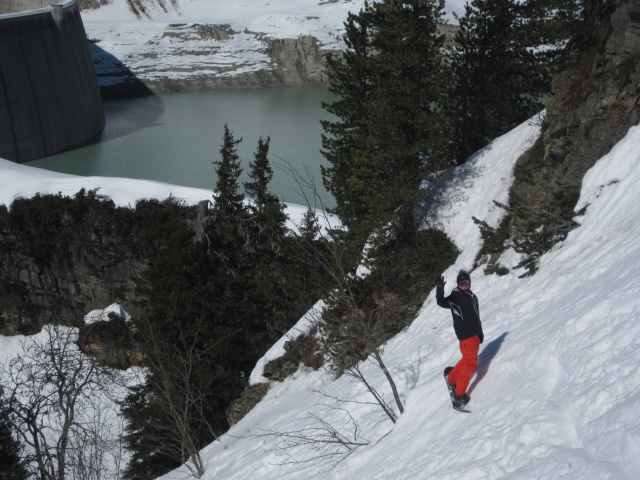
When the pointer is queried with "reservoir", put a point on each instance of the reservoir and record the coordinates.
(175, 137)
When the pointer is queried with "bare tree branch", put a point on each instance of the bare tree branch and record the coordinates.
(327, 442)
(62, 403)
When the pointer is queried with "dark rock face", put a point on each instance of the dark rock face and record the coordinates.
(250, 397)
(299, 61)
(66, 288)
(57, 265)
(595, 102)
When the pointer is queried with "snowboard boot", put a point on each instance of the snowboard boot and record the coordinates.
(446, 376)
(460, 400)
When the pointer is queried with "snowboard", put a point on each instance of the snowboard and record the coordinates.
(457, 407)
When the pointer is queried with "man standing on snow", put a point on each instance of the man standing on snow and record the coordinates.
(465, 310)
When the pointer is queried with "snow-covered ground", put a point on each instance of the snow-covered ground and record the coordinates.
(91, 407)
(166, 40)
(557, 391)
(23, 181)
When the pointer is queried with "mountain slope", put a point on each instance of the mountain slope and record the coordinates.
(199, 44)
(556, 392)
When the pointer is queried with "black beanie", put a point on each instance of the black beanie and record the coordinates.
(463, 276)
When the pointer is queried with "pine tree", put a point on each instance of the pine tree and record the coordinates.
(228, 201)
(309, 226)
(563, 27)
(497, 81)
(267, 217)
(261, 174)
(390, 128)
(268, 212)
(229, 232)
(265, 253)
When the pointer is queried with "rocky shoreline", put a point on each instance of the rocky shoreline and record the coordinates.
(281, 63)
(181, 57)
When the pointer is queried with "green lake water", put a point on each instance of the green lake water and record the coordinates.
(175, 137)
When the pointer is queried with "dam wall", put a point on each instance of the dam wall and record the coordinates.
(49, 95)
(13, 6)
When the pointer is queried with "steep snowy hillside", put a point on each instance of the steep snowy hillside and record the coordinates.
(202, 44)
(556, 393)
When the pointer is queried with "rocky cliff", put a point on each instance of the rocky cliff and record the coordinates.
(61, 258)
(594, 104)
(162, 46)
(292, 62)
(597, 100)
(163, 49)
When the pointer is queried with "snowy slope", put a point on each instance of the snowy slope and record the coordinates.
(557, 390)
(164, 41)
(23, 181)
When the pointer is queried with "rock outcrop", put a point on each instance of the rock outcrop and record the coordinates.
(173, 57)
(293, 62)
(596, 102)
(61, 259)
(197, 59)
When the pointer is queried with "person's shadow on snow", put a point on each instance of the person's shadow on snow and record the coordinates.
(488, 353)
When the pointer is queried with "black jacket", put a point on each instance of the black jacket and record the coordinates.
(465, 311)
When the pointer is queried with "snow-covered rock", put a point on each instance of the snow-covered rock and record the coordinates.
(199, 44)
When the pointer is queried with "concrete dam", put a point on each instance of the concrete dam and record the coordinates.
(49, 95)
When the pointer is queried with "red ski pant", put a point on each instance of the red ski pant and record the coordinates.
(464, 369)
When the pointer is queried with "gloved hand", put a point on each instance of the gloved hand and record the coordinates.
(440, 282)
(481, 337)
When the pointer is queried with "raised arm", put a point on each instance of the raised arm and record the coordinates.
(440, 293)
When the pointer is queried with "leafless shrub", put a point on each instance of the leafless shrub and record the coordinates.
(327, 442)
(61, 403)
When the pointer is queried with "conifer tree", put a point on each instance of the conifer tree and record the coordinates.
(268, 214)
(229, 231)
(266, 250)
(228, 199)
(260, 174)
(390, 128)
(309, 226)
(562, 27)
(497, 80)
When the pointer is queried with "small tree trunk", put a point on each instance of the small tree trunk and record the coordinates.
(382, 366)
